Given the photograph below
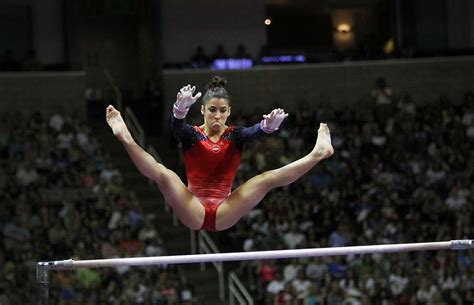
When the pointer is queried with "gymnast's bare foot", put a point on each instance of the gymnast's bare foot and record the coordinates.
(323, 148)
(115, 121)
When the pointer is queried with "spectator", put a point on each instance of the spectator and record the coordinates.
(340, 237)
(56, 237)
(276, 285)
(301, 286)
(291, 271)
(450, 280)
(200, 59)
(88, 277)
(382, 93)
(109, 172)
(266, 272)
(148, 232)
(457, 197)
(26, 174)
(426, 291)
(293, 238)
(334, 294)
(219, 53)
(15, 235)
(398, 281)
(316, 269)
(154, 248)
(313, 298)
(286, 297)
(241, 52)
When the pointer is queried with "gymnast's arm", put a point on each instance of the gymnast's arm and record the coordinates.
(182, 131)
(248, 134)
(184, 100)
(270, 123)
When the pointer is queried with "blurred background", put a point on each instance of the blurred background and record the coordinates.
(394, 79)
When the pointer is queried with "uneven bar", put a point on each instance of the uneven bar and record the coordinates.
(258, 255)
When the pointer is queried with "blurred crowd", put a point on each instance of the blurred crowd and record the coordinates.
(402, 172)
(63, 198)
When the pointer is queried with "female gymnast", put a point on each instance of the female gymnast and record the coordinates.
(212, 155)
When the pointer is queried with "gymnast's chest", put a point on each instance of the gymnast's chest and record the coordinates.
(207, 155)
(216, 149)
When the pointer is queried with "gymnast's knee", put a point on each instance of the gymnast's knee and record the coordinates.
(270, 179)
(165, 177)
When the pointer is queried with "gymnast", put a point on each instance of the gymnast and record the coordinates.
(212, 154)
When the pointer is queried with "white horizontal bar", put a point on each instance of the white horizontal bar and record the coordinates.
(258, 255)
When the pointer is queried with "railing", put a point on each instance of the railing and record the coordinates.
(130, 119)
(152, 151)
(207, 246)
(118, 93)
(134, 126)
(238, 292)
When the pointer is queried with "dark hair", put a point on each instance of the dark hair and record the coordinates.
(215, 88)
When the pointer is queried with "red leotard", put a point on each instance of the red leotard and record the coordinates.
(211, 167)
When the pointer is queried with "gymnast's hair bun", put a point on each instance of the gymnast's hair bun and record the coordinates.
(216, 82)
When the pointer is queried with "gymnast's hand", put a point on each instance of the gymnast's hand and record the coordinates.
(272, 121)
(184, 100)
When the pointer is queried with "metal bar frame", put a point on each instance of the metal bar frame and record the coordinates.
(43, 268)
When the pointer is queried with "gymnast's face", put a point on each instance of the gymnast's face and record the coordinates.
(215, 112)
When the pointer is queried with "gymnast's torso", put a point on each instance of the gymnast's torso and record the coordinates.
(212, 166)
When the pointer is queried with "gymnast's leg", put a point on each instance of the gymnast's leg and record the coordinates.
(249, 194)
(187, 207)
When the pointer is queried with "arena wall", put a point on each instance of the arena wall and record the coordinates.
(338, 84)
(45, 91)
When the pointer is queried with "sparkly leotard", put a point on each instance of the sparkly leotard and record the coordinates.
(211, 166)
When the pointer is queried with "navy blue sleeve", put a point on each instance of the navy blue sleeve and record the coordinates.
(253, 132)
(244, 135)
(184, 132)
